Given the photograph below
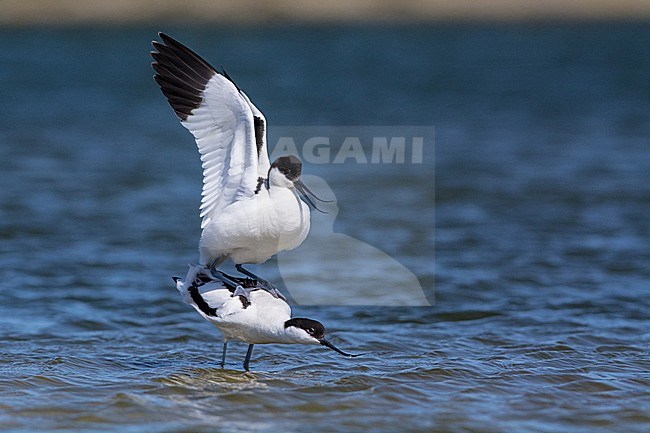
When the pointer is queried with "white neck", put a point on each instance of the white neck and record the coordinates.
(278, 179)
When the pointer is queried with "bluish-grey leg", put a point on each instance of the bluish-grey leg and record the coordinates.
(216, 263)
(248, 357)
(225, 279)
(228, 281)
(223, 354)
(265, 284)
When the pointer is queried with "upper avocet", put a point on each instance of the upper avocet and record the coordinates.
(249, 210)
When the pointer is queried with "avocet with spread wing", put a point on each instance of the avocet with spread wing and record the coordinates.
(249, 210)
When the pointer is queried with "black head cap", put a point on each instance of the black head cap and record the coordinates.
(313, 327)
(290, 166)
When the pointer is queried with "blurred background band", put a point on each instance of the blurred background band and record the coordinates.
(29, 12)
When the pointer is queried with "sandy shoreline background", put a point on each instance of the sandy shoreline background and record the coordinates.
(63, 12)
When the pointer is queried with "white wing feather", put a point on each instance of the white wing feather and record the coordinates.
(221, 118)
(223, 128)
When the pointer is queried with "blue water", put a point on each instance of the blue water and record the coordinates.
(526, 224)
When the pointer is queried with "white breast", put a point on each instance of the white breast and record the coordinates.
(252, 230)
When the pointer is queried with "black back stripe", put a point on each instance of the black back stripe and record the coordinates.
(181, 74)
(204, 307)
(200, 302)
(259, 134)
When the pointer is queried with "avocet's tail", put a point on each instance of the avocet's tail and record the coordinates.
(193, 279)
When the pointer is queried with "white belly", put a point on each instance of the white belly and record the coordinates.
(260, 322)
(252, 230)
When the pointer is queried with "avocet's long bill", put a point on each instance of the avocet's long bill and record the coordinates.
(306, 194)
(326, 343)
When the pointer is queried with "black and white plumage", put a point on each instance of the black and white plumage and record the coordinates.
(243, 311)
(249, 210)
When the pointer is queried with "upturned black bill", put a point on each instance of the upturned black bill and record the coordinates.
(305, 194)
(326, 343)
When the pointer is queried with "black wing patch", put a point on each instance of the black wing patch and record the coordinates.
(260, 182)
(245, 303)
(205, 307)
(181, 74)
(200, 302)
(259, 133)
(203, 279)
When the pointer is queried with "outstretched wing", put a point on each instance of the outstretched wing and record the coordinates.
(263, 164)
(229, 130)
(259, 122)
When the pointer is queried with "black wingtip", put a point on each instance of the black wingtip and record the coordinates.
(181, 74)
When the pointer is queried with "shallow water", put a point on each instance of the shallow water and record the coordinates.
(536, 262)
